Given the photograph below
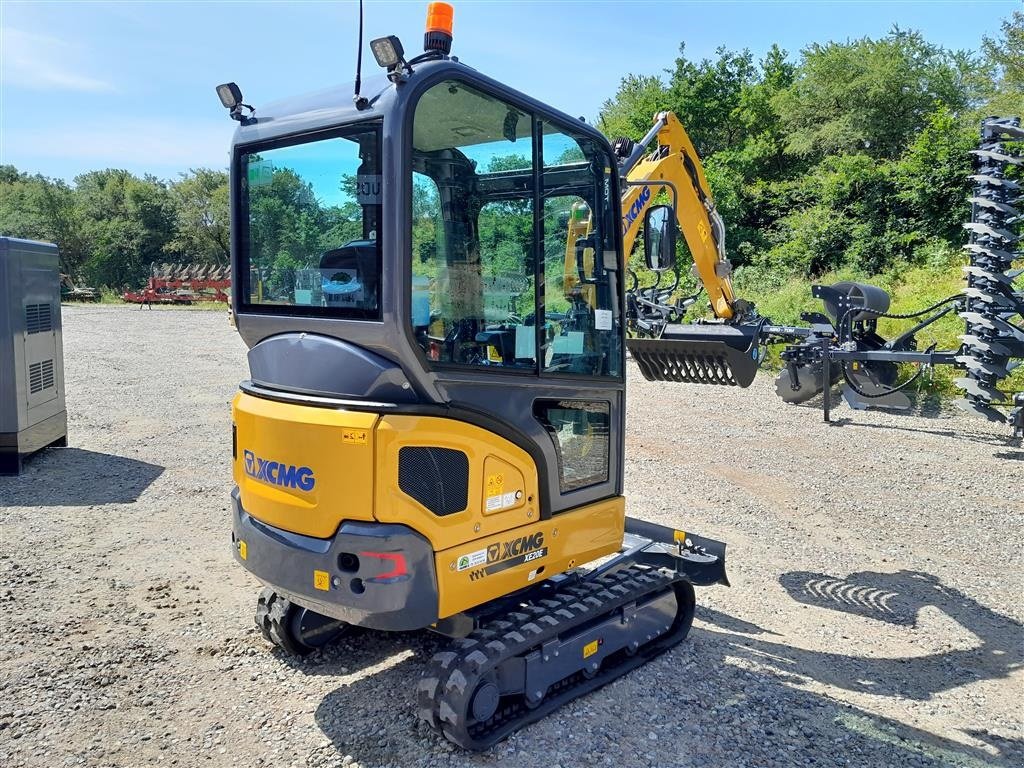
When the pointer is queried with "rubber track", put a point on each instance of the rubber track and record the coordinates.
(273, 614)
(450, 679)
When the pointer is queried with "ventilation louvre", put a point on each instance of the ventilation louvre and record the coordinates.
(438, 478)
(38, 318)
(40, 376)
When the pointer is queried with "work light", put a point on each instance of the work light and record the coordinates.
(230, 95)
(387, 51)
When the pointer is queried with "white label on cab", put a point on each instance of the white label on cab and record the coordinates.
(368, 189)
(603, 319)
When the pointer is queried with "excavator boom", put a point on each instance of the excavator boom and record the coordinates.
(672, 164)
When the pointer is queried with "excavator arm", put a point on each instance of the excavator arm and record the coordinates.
(673, 164)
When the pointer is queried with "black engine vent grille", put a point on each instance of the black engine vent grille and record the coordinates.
(438, 478)
(38, 318)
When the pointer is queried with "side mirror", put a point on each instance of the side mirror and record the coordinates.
(660, 238)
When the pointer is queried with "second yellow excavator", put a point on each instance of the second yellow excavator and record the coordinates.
(725, 350)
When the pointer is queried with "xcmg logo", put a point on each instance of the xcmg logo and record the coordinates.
(276, 473)
(635, 208)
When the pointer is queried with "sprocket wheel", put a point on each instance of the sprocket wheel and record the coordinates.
(295, 630)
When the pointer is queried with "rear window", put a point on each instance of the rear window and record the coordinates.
(310, 216)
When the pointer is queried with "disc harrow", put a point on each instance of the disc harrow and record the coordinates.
(993, 339)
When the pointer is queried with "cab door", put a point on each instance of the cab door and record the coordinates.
(516, 280)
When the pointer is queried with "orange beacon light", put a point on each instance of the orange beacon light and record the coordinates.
(438, 33)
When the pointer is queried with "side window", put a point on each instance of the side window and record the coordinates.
(582, 321)
(309, 232)
(473, 283)
(579, 429)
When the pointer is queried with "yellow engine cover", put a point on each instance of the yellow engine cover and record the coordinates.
(301, 468)
(479, 571)
(306, 469)
(502, 480)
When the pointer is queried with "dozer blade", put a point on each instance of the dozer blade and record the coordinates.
(700, 354)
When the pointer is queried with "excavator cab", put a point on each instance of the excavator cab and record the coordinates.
(432, 435)
(442, 265)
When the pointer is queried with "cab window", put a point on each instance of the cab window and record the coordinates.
(580, 270)
(310, 225)
(492, 219)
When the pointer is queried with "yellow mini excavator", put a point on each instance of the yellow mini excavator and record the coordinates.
(430, 279)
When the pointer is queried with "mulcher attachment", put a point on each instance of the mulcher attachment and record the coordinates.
(993, 342)
(714, 353)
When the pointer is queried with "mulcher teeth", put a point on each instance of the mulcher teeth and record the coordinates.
(993, 342)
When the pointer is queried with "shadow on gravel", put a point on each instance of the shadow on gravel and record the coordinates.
(373, 717)
(897, 598)
(996, 440)
(361, 649)
(1010, 455)
(841, 729)
(74, 477)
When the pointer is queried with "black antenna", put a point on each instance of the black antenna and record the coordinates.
(361, 101)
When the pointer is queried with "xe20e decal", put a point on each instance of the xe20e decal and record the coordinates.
(503, 555)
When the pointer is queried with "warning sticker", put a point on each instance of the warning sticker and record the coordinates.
(590, 648)
(495, 485)
(471, 560)
(353, 436)
(503, 500)
(322, 580)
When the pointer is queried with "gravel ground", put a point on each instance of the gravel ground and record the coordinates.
(874, 618)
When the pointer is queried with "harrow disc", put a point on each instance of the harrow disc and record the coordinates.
(993, 339)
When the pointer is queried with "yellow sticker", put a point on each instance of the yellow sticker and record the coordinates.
(322, 580)
(679, 536)
(494, 354)
(353, 436)
(243, 550)
(702, 231)
(590, 648)
(495, 485)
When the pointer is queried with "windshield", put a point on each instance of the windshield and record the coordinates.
(310, 225)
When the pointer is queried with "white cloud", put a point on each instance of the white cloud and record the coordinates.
(123, 142)
(43, 63)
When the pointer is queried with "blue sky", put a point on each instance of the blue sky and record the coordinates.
(130, 85)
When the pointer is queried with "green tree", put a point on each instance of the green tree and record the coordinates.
(706, 97)
(201, 218)
(1005, 55)
(128, 222)
(933, 176)
(873, 95)
(631, 111)
(38, 208)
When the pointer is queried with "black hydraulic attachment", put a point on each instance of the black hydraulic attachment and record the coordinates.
(993, 340)
(711, 353)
